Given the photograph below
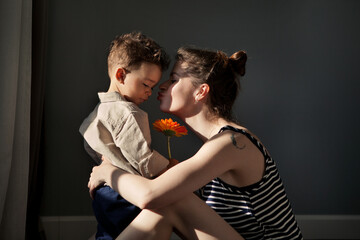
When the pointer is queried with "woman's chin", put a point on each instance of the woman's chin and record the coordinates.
(165, 110)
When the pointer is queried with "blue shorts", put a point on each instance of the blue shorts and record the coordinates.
(113, 213)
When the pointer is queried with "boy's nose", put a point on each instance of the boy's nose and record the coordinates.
(149, 92)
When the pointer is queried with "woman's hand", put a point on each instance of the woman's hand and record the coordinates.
(97, 176)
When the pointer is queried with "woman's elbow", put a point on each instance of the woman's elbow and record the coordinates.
(143, 204)
(148, 200)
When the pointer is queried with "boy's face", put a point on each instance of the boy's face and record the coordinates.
(138, 84)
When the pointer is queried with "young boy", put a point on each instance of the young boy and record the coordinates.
(119, 130)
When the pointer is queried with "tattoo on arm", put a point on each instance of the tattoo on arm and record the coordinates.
(235, 143)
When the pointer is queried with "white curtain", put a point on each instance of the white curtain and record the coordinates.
(15, 89)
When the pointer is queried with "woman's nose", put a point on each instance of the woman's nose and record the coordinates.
(164, 85)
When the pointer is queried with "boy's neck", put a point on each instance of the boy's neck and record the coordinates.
(113, 88)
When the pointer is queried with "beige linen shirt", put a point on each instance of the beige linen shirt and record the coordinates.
(119, 130)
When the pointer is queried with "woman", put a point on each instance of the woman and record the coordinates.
(234, 172)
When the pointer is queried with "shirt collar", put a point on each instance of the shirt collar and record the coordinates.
(110, 97)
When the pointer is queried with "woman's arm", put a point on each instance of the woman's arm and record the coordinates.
(213, 159)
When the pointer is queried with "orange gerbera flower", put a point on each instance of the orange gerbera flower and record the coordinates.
(169, 128)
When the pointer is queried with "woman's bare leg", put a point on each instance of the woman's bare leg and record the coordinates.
(147, 225)
(92, 237)
(191, 218)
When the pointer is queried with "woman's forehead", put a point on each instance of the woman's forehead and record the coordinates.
(179, 69)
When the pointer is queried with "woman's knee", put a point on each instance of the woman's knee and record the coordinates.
(148, 224)
(175, 210)
(179, 214)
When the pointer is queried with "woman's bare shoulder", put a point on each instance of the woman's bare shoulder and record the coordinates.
(245, 160)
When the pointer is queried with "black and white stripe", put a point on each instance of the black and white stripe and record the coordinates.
(259, 211)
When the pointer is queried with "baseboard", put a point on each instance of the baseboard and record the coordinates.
(329, 226)
(312, 227)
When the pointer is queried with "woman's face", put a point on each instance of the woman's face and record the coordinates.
(177, 95)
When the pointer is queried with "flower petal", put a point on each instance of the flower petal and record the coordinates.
(170, 127)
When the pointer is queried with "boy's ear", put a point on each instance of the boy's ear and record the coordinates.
(202, 92)
(120, 75)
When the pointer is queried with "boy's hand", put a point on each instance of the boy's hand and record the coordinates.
(172, 162)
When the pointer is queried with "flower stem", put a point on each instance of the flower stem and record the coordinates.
(168, 145)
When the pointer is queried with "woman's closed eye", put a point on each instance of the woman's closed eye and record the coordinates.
(173, 80)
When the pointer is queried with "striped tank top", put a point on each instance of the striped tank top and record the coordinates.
(259, 211)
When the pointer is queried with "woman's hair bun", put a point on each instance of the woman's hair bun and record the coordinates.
(238, 61)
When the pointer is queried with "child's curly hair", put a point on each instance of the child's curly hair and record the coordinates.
(132, 49)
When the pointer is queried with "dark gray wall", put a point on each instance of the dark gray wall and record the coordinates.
(300, 94)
